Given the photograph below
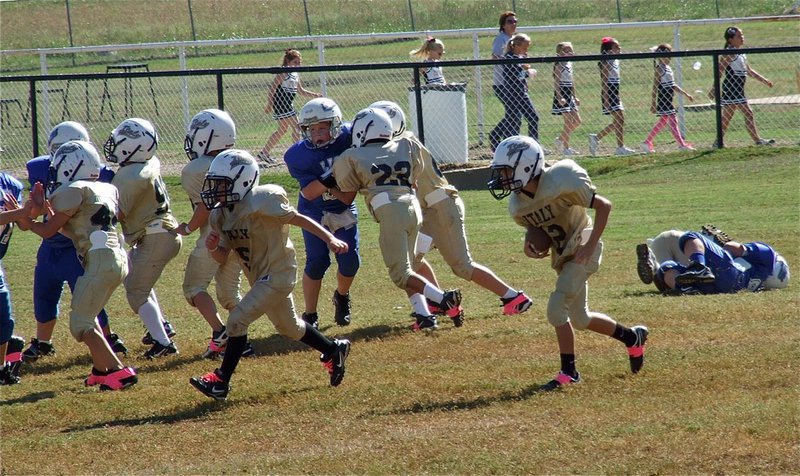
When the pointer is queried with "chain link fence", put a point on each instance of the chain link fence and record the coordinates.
(456, 122)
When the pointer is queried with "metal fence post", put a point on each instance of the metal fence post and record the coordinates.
(718, 103)
(411, 14)
(476, 54)
(34, 118)
(323, 77)
(418, 100)
(220, 93)
(184, 85)
(676, 42)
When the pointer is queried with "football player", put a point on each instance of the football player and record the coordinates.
(309, 162)
(443, 223)
(666, 246)
(253, 220)
(86, 211)
(714, 269)
(556, 198)
(10, 345)
(56, 260)
(210, 132)
(385, 170)
(147, 224)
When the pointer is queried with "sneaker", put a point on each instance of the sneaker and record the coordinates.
(594, 142)
(120, 379)
(559, 145)
(147, 339)
(719, 236)
(434, 308)
(94, 378)
(647, 148)
(7, 376)
(37, 349)
(312, 319)
(334, 362)
(267, 161)
(645, 263)
(561, 380)
(636, 351)
(686, 147)
(13, 358)
(116, 344)
(624, 151)
(696, 273)
(341, 304)
(160, 350)
(216, 346)
(424, 322)
(765, 142)
(451, 303)
(211, 385)
(517, 304)
(570, 152)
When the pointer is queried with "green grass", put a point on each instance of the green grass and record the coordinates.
(718, 393)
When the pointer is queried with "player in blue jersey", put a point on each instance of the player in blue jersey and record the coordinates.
(715, 269)
(56, 260)
(10, 345)
(310, 162)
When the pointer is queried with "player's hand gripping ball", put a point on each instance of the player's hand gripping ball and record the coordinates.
(537, 243)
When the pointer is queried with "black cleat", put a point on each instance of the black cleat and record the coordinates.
(341, 304)
(636, 351)
(312, 319)
(37, 349)
(334, 362)
(645, 263)
(561, 380)
(719, 236)
(116, 344)
(424, 322)
(147, 339)
(696, 273)
(211, 385)
(160, 350)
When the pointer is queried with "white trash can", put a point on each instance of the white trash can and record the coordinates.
(444, 114)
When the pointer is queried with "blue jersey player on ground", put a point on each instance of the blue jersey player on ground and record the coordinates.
(10, 345)
(714, 269)
(56, 260)
(310, 162)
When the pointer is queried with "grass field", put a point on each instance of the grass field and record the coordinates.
(718, 393)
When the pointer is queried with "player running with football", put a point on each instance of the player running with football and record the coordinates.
(253, 220)
(443, 226)
(555, 198)
(147, 223)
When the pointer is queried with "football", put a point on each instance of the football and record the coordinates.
(537, 239)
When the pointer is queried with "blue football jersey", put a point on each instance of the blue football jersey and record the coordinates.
(8, 184)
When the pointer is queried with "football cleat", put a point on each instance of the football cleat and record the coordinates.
(719, 236)
(7, 376)
(116, 344)
(517, 304)
(456, 314)
(434, 308)
(120, 379)
(451, 300)
(334, 362)
(160, 350)
(211, 385)
(94, 378)
(13, 358)
(636, 351)
(696, 273)
(37, 349)
(216, 346)
(424, 322)
(561, 380)
(147, 339)
(645, 263)
(312, 319)
(341, 304)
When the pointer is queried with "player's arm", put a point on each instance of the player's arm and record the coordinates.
(48, 228)
(199, 218)
(602, 209)
(219, 253)
(334, 244)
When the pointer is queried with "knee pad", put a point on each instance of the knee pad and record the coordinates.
(136, 299)
(463, 269)
(557, 314)
(78, 330)
(399, 276)
(315, 268)
(236, 325)
(348, 263)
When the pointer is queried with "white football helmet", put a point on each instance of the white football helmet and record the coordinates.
(133, 141)
(517, 160)
(65, 132)
(320, 110)
(231, 176)
(74, 160)
(779, 278)
(210, 130)
(370, 124)
(395, 113)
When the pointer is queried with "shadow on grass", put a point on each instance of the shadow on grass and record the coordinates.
(32, 398)
(44, 367)
(277, 344)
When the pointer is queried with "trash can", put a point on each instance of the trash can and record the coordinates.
(444, 115)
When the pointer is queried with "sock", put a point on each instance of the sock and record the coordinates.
(233, 354)
(100, 372)
(510, 294)
(568, 365)
(419, 304)
(698, 258)
(624, 335)
(433, 293)
(314, 339)
(673, 126)
(148, 313)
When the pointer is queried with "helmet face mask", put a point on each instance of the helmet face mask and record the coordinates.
(371, 124)
(316, 111)
(231, 176)
(211, 130)
(517, 160)
(395, 113)
(73, 161)
(132, 141)
(65, 132)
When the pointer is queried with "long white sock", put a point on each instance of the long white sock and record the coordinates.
(510, 294)
(154, 299)
(419, 304)
(433, 293)
(148, 313)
